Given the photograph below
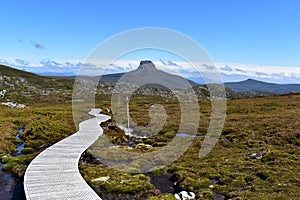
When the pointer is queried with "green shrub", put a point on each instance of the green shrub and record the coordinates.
(8, 166)
(28, 150)
(263, 175)
(238, 182)
(206, 194)
(163, 197)
(6, 159)
(204, 183)
(132, 170)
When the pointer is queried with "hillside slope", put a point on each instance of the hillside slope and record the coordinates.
(21, 86)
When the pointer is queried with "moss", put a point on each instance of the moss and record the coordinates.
(227, 131)
(8, 166)
(221, 189)
(19, 170)
(133, 170)
(150, 141)
(9, 159)
(263, 175)
(28, 150)
(189, 184)
(192, 184)
(170, 134)
(249, 178)
(6, 159)
(120, 182)
(158, 170)
(163, 197)
(206, 194)
(225, 180)
(238, 182)
(204, 183)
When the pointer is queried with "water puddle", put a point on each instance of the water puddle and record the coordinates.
(7, 183)
(187, 135)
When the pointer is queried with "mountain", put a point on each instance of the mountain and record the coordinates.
(255, 85)
(147, 73)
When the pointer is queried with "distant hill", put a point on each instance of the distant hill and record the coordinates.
(255, 85)
(12, 72)
(23, 87)
(14, 78)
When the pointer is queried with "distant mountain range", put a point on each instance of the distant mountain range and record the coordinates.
(146, 72)
(147, 69)
(254, 85)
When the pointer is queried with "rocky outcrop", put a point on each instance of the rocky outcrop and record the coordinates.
(146, 65)
(13, 105)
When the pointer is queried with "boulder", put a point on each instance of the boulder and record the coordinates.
(143, 146)
(183, 195)
(256, 156)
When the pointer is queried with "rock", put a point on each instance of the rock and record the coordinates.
(101, 179)
(183, 195)
(44, 146)
(13, 105)
(256, 156)
(143, 146)
(2, 93)
(146, 65)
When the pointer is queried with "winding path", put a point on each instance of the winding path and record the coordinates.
(54, 173)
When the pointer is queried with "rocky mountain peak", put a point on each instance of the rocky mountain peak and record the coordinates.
(146, 65)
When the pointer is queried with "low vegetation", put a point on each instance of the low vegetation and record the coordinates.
(43, 125)
(115, 181)
(266, 126)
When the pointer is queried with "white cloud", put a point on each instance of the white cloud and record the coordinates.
(22, 62)
(228, 71)
(226, 68)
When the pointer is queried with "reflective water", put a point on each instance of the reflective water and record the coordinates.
(187, 135)
(10, 186)
(20, 146)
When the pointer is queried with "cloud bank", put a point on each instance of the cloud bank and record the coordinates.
(228, 72)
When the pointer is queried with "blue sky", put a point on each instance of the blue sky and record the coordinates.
(249, 32)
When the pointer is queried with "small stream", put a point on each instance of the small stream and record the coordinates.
(11, 188)
(19, 146)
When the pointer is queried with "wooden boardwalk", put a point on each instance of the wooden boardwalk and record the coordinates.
(54, 173)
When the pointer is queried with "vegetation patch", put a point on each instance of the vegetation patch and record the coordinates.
(267, 126)
(118, 182)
